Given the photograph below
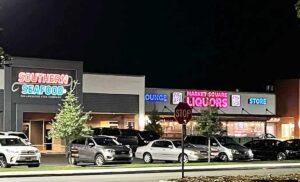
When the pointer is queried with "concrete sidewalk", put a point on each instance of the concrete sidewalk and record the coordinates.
(146, 170)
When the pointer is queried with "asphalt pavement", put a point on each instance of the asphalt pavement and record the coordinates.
(149, 177)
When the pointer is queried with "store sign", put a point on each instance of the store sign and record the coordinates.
(41, 85)
(257, 101)
(207, 98)
(177, 97)
(235, 101)
(155, 97)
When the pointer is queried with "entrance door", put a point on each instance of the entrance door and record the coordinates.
(36, 134)
(47, 140)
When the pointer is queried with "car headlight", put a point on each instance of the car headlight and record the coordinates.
(12, 151)
(110, 150)
(36, 151)
(193, 153)
(233, 151)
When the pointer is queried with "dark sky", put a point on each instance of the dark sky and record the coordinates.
(209, 44)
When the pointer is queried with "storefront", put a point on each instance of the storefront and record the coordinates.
(288, 108)
(242, 114)
(31, 90)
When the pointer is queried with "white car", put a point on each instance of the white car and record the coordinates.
(14, 152)
(168, 150)
(16, 133)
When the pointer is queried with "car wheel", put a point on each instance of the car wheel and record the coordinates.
(281, 156)
(147, 158)
(223, 157)
(72, 160)
(34, 165)
(3, 162)
(99, 160)
(185, 158)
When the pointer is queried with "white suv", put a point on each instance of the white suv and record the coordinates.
(16, 133)
(14, 152)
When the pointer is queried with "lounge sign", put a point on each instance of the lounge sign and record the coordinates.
(41, 84)
(207, 98)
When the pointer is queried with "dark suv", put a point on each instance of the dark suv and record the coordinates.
(121, 137)
(98, 150)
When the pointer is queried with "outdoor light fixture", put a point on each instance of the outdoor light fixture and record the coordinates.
(267, 110)
(243, 109)
(165, 107)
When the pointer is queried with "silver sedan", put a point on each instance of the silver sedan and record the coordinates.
(168, 150)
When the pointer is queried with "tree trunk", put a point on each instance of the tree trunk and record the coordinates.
(209, 149)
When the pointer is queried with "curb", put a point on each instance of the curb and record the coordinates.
(139, 170)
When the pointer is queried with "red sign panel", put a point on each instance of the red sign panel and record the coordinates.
(183, 113)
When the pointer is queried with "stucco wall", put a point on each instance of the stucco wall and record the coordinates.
(117, 84)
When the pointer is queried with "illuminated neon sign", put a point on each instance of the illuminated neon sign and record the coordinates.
(154, 97)
(42, 84)
(207, 98)
(257, 101)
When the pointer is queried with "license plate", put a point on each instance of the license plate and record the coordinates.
(123, 152)
(28, 158)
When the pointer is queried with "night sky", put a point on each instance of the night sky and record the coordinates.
(210, 44)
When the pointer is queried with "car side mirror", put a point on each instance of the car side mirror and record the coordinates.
(91, 144)
(170, 146)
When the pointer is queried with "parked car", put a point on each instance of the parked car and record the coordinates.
(267, 136)
(125, 138)
(144, 137)
(223, 148)
(291, 148)
(267, 149)
(147, 136)
(14, 152)
(16, 133)
(98, 150)
(168, 150)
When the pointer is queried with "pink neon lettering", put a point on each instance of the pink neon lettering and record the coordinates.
(207, 98)
(30, 77)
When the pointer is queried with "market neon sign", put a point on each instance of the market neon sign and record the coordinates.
(39, 84)
(207, 98)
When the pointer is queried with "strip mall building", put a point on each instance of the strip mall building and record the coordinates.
(32, 88)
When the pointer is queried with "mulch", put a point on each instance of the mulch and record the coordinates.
(282, 178)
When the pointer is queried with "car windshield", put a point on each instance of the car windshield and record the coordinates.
(177, 144)
(106, 141)
(129, 132)
(21, 135)
(111, 132)
(225, 141)
(11, 142)
(149, 135)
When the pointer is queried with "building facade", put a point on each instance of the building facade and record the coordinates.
(288, 107)
(31, 89)
(243, 114)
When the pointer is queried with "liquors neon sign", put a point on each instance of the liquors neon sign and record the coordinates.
(42, 84)
(204, 98)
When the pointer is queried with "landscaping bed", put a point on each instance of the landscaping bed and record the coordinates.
(282, 178)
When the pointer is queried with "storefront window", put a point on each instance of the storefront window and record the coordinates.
(287, 131)
(245, 129)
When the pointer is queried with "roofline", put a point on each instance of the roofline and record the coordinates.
(93, 73)
(185, 89)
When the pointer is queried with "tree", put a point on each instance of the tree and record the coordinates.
(4, 58)
(208, 124)
(154, 125)
(297, 7)
(70, 121)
